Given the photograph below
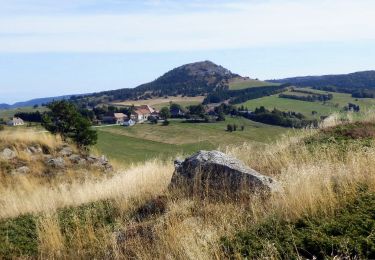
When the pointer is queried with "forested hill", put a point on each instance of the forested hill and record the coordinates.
(363, 79)
(191, 79)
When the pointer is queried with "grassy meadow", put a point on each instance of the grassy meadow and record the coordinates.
(146, 141)
(160, 102)
(249, 83)
(323, 109)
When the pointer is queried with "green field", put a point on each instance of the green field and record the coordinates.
(182, 103)
(249, 83)
(146, 141)
(323, 109)
(9, 113)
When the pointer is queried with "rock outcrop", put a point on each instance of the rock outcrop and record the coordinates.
(216, 171)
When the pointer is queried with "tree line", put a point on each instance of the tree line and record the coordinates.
(242, 95)
(280, 118)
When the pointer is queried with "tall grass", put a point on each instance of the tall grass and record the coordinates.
(31, 196)
(16, 137)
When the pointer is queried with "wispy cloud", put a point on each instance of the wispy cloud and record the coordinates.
(199, 26)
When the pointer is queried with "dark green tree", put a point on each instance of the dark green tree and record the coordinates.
(220, 116)
(165, 113)
(65, 120)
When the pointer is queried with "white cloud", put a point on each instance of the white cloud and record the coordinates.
(234, 25)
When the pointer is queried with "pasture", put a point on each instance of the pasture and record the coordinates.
(322, 108)
(9, 113)
(146, 141)
(160, 102)
(241, 83)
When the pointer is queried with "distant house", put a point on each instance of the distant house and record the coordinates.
(116, 118)
(120, 118)
(142, 113)
(16, 121)
(129, 122)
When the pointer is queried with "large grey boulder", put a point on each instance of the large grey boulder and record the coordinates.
(216, 171)
(8, 154)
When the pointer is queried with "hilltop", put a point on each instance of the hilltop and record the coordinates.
(193, 79)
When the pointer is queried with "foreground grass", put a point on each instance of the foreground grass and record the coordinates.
(325, 210)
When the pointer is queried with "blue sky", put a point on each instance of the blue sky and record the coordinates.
(51, 48)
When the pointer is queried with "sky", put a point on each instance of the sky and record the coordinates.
(52, 48)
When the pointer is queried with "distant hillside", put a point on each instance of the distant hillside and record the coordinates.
(364, 79)
(37, 101)
(199, 78)
(359, 84)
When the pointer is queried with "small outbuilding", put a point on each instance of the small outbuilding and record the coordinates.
(16, 121)
(130, 122)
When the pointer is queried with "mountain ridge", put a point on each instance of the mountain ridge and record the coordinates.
(362, 79)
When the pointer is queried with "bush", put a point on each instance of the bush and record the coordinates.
(165, 122)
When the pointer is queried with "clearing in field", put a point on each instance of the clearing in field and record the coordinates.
(322, 108)
(9, 113)
(243, 83)
(163, 101)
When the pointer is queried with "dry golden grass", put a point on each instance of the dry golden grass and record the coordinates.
(316, 180)
(28, 195)
(14, 137)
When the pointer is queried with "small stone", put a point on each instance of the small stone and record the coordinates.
(35, 149)
(56, 162)
(8, 154)
(21, 170)
(66, 151)
(75, 158)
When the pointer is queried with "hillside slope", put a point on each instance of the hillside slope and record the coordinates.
(363, 79)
